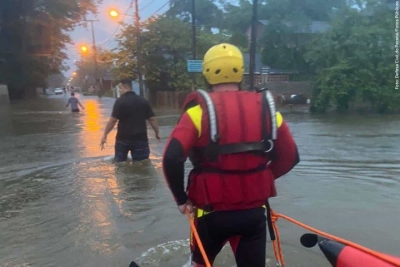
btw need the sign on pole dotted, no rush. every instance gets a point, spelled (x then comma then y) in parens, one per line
(195, 65)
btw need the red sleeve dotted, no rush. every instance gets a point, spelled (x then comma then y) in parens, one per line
(181, 141)
(286, 153)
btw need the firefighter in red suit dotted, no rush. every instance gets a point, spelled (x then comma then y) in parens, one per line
(238, 145)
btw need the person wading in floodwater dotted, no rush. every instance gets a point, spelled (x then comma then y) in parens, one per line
(74, 103)
(131, 112)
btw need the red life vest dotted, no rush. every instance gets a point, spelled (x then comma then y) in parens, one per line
(231, 156)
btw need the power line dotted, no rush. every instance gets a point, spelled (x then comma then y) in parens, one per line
(147, 5)
(161, 8)
(113, 36)
(171, 8)
(125, 15)
(107, 41)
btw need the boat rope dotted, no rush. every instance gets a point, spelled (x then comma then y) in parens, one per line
(198, 240)
(276, 242)
(278, 249)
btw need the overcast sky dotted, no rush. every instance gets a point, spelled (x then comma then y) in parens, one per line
(106, 28)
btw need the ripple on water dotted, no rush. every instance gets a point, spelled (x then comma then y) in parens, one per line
(177, 253)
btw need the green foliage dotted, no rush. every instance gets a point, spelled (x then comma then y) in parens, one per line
(85, 68)
(32, 37)
(355, 62)
(208, 14)
(287, 37)
(166, 45)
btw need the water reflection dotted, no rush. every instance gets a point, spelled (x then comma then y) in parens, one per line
(92, 120)
(92, 123)
(63, 202)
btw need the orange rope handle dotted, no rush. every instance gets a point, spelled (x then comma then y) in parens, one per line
(385, 258)
(277, 246)
(198, 240)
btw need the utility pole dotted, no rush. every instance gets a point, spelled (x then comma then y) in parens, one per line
(138, 48)
(96, 68)
(253, 41)
(194, 29)
(194, 43)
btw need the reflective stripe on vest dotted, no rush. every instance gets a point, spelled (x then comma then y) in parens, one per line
(272, 112)
(265, 145)
(212, 116)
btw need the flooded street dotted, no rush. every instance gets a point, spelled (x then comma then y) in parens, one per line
(63, 202)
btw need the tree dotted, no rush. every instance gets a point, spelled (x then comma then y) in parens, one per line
(166, 46)
(355, 61)
(56, 80)
(208, 14)
(287, 37)
(85, 68)
(33, 35)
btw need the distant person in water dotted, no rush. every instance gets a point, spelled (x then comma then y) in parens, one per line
(74, 103)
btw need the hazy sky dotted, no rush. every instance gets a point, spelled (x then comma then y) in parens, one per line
(106, 28)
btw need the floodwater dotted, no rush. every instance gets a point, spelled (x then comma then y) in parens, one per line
(63, 202)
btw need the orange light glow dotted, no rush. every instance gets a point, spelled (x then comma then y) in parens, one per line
(84, 48)
(114, 13)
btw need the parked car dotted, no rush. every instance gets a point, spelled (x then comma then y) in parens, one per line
(58, 91)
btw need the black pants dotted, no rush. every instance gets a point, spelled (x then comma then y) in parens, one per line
(245, 230)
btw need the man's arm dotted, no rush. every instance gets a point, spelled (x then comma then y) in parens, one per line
(109, 126)
(69, 101)
(111, 122)
(151, 118)
(154, 125)
(181, 141)
(79, 103)
(286, 153)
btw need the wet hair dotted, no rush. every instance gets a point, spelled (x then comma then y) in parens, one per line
(72, 94)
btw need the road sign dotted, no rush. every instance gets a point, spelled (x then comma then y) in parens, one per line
(195, 65)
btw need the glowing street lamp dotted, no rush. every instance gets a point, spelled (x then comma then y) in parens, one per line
(114, 13)
(84, 48)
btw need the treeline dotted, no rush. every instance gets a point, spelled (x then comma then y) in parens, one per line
(33, 35)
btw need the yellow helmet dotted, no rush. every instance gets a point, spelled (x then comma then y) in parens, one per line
(223, 63)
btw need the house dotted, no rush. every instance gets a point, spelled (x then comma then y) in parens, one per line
(262, 73)
(107, 81)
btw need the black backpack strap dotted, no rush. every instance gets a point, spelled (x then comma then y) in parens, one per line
(269, 222)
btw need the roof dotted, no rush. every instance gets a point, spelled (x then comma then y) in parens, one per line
(314, 27)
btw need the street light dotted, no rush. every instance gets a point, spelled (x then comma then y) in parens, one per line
(114, 13)
(84, 48)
